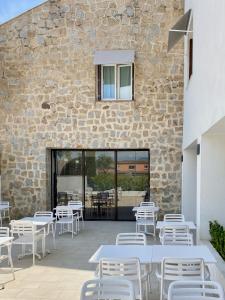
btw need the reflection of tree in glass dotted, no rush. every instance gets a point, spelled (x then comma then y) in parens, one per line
(104, 164)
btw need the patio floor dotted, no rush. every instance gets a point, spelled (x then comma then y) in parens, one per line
(61, 274)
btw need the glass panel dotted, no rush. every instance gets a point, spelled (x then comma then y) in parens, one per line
(68, 176)
(132, 181)
(125, 82)
(99, 185)
(108, 82)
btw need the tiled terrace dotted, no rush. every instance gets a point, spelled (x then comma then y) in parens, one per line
(61, 274)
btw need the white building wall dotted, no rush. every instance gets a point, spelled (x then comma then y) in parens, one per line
(189, 179)
(204, 94)
(212, 198)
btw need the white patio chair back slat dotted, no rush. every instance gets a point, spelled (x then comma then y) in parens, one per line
(174, 218)
(44, 214)
(145, 203)
(174, 269)
(131, 239)
(75, 202)
(4, 231)
(195, 290)
(185, 239)
(126, 268)
(107, 289)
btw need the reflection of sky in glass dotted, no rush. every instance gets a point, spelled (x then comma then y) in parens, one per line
(132, 155)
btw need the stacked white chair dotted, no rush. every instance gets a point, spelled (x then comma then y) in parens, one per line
(125, 269)
(28, 235)
(80, 211)
(135, 239)
(195, 290)
(51, 226)
(175, 269)
(68, 221)
(4, 232)
(107, 289)
(145, 218)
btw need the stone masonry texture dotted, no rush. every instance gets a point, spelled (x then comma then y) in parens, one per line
(48, 96)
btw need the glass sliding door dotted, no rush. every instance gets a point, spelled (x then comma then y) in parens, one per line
(132, 181)
(100, 185)
(108, 182)
(69, 178)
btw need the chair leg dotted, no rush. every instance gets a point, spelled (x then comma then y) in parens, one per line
(53, 235)
(72, 229)
(10, 260)
(34, 245)
(43, 246)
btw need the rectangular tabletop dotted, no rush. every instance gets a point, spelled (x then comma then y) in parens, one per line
(151, 208)
(39, 221)
(144, 253)
(161, 251)
(4, 206)
(161, 224)
(5, 239)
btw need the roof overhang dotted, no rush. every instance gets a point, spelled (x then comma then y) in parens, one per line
(104, 57)
(180, 29)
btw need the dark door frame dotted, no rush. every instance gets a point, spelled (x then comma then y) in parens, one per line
(54, 175)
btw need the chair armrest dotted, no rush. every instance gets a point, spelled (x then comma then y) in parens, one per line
(42, 230)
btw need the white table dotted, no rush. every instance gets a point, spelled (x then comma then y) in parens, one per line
(144, 253)
(161, 224)
(161, 251)
(4, 206)
(39, 221)
(43, 222)
(151, 208)
(4, 240)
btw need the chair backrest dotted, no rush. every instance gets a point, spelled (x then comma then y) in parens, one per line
(131, 239)
(75, 202)
(107, 289)
(4, 231)
(43, 214)
(127, 268)
(63, 212)
(195, 290)
(144, 213)
(182, 269)
(174, 218)
(147, 203)
(185, 239)
(20, 227)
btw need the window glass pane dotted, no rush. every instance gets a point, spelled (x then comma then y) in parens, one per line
(125, 82)
(108, 82)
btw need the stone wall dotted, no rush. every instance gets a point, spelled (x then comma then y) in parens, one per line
(47, 92)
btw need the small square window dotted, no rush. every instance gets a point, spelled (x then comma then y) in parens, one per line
(115, 82)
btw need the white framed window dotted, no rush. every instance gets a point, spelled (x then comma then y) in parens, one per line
(116, 82)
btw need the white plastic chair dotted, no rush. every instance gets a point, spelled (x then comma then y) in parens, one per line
(185, 239)
(174, 269)
(51, 226)
(195, 290)
(172, 231)
(145, 218)
(68, 221)
(27, 234)
(174, 218)
(145, 203)
(107, 289)
(4, 232)
(125, 269)
(4, 214)
(80, 211)
(136, 238)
